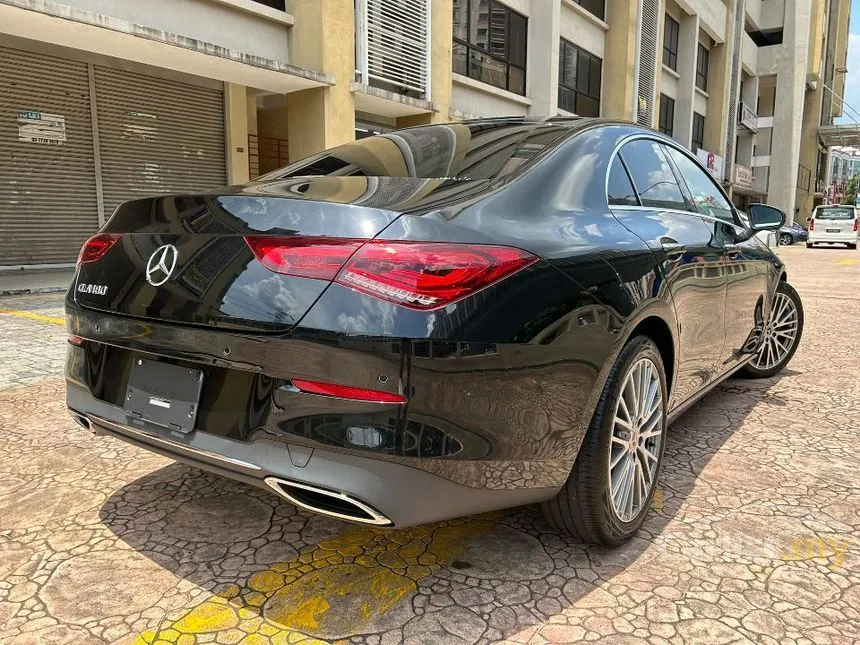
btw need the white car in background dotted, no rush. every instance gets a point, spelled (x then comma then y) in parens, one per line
(834, 225)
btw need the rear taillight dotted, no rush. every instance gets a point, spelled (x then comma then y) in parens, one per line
(75, 340)
(812, 225)
(418, 275)
(346, 392)
(303, 257)
(427, 275)
(855, 225)
(95, 247)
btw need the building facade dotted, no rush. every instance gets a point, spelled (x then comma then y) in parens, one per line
(844, 165)
(111, 100)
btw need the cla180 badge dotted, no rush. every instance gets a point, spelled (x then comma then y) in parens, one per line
(95, 289)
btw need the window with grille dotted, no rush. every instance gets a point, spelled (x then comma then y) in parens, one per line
(490, 44)
(597, 7)
(666, 124)
(698, 131)
(702, 62)
(579, 77)
(671, 30)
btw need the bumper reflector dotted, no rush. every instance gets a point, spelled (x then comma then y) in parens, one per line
(346, 392)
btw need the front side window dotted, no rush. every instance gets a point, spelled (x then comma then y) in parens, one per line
(666, 124)
(490, 44)
(698, 131)
(707, 196)
(579, 75)
(671, 28)
(702, 63)
(653, 177)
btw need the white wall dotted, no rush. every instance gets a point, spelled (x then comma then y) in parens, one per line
(669, 85)
(212, 21)
(582, 32)
(712, 16)
(470, 102)
(700, 103)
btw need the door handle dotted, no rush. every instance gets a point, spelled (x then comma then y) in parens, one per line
(673, 248)
(732, 250)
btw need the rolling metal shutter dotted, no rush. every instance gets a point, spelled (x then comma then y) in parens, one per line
(48, 201)
(157, 136)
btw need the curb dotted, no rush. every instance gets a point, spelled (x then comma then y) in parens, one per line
(23, 291)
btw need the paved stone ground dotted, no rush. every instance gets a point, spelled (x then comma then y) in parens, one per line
(755, 536)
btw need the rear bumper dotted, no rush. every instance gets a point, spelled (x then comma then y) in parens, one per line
(391, 494)
(832, 238)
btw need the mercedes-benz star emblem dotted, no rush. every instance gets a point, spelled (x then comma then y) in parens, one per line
(161, 264)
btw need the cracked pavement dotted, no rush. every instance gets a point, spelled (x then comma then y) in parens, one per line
(754, 537)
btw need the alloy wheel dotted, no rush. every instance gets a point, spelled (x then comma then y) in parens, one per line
(637, 432)
(786, 240)
(780, 334)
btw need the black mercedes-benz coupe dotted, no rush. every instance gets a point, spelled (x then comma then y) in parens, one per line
(433, 322)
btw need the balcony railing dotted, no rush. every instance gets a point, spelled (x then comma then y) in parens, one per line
(747, 117)
(393, 45)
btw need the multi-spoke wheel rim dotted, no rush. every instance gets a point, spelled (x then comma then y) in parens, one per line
(780, 333)
(785, 239)
(637, 435)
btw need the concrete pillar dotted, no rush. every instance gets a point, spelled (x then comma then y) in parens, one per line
(442, 34)
(688, 42)
(543, 59)
(324, 40)
(236, 126)
(619, 65)
(790, 95)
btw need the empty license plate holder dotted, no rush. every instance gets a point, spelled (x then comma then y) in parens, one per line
(164, 394)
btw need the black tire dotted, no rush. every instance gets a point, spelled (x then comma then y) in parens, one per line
(809, 245)
(750, 370)
(786, 239)
(583, 507)
(853, 247)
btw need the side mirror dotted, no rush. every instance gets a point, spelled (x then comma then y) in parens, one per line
(765, 218)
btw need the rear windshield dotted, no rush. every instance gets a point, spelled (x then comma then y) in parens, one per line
(451, 151)
(835, 213)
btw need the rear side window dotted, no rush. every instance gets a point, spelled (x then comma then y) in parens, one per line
(835, 213)
(620, 191)
(652, 175)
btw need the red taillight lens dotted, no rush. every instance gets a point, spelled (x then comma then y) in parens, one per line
(346, 392)
(76, 340)
(303, 257)
(428, 275)
(95, 247)
(812, 225)
(855, 225)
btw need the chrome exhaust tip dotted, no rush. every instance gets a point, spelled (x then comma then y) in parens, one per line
(327, 502)
(82, 421)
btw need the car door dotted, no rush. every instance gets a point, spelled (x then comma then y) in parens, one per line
(646, 197)
(745, 259)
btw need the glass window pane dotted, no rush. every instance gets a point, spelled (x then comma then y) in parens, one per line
(566, 99)
(461, 8)
(620, 190)
(479, 25)
(707, 197)
(652, 175)
(484, 68)
(458, 55)
(517, 40)
(570, 66)
(594, 82)
(498, 31)
(587, 106)
(517, 80)
(582, 65)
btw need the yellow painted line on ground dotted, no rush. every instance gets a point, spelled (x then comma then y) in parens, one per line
(31, 316)
(343, 585)
(847, 262)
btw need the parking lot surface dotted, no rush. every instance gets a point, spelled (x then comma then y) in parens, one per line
(755, 534)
